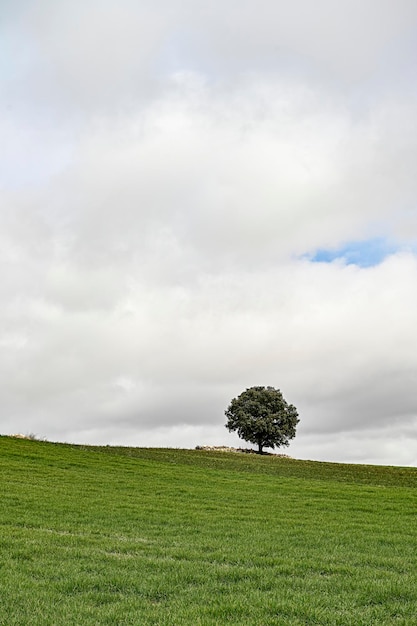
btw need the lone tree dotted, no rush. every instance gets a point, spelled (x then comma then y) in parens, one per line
(262, 416)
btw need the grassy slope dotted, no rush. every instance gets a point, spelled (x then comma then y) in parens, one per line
(93, 535)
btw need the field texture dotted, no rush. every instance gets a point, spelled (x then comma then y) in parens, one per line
(129, 536)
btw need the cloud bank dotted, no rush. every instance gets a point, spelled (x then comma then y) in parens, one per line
(197, 199)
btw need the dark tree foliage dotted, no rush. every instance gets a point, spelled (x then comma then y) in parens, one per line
(261, 416)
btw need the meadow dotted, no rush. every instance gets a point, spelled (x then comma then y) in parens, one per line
(136, 536)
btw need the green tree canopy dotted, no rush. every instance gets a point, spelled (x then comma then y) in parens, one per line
(261, 416)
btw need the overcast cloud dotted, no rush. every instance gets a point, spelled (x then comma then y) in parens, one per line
(200, 197)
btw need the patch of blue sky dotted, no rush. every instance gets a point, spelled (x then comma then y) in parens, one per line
(28, 165)
(363, 253)
(179, 53)
(17, 54)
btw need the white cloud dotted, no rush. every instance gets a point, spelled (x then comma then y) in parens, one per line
(171, 182)
(344, 39)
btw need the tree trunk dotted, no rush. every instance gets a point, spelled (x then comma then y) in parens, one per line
(260, 447)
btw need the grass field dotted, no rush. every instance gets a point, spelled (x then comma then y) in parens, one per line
(130, 536)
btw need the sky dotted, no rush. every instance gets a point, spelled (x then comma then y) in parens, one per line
(196, 198)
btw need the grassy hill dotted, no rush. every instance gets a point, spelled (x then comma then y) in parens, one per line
(131, 536)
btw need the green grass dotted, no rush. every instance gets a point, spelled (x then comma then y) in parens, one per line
(104, 535)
